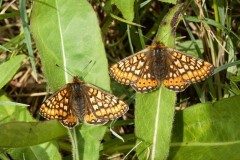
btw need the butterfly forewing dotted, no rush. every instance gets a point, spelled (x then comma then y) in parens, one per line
(129, 70)
(184, 70)
(102, 106)
(57, 105)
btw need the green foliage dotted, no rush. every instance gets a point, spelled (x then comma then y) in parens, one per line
(152, 132)
(208, 128)
(11, 66)
(82, 38)
(73, 52)
(126, 7)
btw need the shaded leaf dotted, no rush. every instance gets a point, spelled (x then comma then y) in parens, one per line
(29, 133)
(44, 151)
(169, 1)
(207, 131)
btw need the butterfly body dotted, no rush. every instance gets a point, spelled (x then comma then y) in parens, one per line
(146, 70)
(83, 101)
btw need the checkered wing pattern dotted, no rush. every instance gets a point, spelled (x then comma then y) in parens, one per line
(156, 65)
(58, 107)
(102, 106)
(184, 70)
(148, 81)
(129, 70)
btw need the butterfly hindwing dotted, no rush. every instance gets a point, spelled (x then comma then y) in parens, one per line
(148, 81)
(71, 120)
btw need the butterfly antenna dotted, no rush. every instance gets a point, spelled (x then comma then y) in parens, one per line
(84, 75)
(66, 70)
(169, 32)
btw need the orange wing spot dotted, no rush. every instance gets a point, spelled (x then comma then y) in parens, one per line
(108, 110)
(185, 77)
(195, 73)
(190, 75)
(110, 116)
(98, 113)
(103, 111)
(176, 84)
(139, 56)
(90, 117)
(70, 121)
(64, 114)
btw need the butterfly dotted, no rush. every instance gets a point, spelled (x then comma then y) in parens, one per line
(80, 100)
(147, 69)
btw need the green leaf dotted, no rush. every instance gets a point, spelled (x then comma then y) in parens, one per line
(24, 18)
(16, 134)
(126, 7)
(90, 135)
(153, 122)
(154, 112)
(207, 131)
(29, 133)
(36, 152)
(12, 112)
(72, 39)
(11, 66)
(189, 47)
(67, 33)
(169, 1)
(166, 31)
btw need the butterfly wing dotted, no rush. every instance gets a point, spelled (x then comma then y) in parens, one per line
(101, 106)
(71, 120)
(184, 70)
(57, 106)
(148, 81)
(129, 70)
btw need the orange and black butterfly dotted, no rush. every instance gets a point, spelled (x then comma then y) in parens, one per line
(80, 100)
(148, 69)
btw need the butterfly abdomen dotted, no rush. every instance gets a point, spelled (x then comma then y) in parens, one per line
(159, 64)
(78, 101)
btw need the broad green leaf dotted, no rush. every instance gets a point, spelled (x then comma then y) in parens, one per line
(36, 152)
(24, 134)
(126, 8)
(9, 69)
(72, 39)
(207, 131)
(90, 135)
(154, 112)
(15, 133)
(68, 33)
